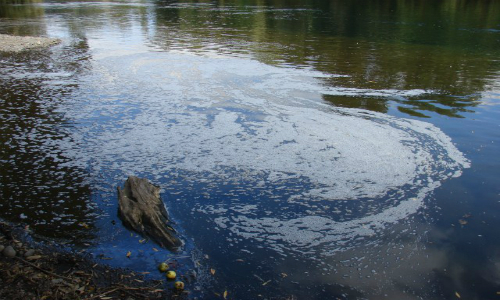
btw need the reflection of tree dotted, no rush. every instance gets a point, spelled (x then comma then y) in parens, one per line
(38, 185)
(21, 9)
(445, 46)
(17, 15)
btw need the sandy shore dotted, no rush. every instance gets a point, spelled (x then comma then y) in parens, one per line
(10, 43)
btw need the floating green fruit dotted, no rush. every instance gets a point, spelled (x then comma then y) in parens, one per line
(179, 285)
(171, 275)
(163, 267)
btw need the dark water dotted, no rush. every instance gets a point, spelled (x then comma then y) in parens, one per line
(307, 149)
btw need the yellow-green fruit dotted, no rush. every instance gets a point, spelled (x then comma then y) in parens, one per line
(171, 275)
(179, 285)
(163, 267)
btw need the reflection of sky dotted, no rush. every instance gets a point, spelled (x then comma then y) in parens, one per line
(155, 113)
(491, 95)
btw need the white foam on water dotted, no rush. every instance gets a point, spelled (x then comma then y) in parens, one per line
(156, 112)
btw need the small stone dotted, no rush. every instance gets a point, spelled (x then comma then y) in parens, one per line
(2, 247)
(30, 252)
(9, 251)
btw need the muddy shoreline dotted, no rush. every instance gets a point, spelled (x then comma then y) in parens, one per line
(10, 43)
(45, 270)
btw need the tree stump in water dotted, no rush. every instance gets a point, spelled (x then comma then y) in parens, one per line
(141, 209)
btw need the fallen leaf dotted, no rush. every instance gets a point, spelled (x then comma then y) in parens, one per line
(57, 281)
(128, 254)
(33, 257)
(65, 290)
(240, 260)
(84, 225)
(462, 222)
(225, 294)
(142, 241)
(155, 249)
(284, 275)
(79, 273)
(212, 271)
(458, 295)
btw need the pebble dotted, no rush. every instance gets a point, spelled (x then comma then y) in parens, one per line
(30, 252)
(9, 251)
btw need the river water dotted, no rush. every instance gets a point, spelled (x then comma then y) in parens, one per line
(305, 149)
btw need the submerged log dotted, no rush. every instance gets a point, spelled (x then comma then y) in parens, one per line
(141, 209)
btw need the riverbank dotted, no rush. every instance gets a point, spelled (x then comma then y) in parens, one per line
(44, 270)
(10, 43)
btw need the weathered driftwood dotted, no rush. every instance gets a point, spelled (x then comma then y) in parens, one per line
(141, 209)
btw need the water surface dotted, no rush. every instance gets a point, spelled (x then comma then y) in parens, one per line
(319, 151)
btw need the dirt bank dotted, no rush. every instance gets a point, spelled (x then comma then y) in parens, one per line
(10, 43)
(42, 270)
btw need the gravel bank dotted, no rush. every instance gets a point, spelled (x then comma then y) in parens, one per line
(9, 43)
